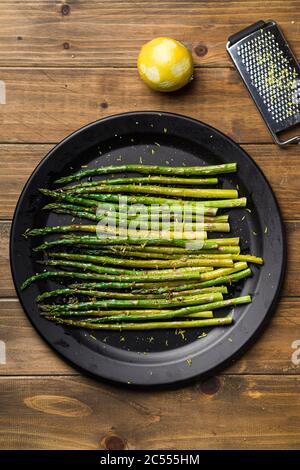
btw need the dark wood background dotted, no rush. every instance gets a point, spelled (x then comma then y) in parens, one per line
(65, 64)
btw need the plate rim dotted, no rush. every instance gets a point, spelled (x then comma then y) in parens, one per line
(188, 373)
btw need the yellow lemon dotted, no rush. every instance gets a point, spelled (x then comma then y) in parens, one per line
(165, 64)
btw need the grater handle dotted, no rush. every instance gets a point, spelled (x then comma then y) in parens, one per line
(245, 32)
(292, 140)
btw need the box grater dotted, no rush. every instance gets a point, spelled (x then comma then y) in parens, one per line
(271, 73)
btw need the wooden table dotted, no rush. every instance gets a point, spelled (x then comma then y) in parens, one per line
(64, 64)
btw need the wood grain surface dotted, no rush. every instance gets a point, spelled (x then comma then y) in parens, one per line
(110, 33)
(42, 103)
(75, 412)
(67, 63)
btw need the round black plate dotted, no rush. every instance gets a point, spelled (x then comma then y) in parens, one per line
(155, 357)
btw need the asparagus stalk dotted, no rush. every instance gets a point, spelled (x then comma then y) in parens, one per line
(83, 214)
(73, 291)
(239, 266)
(198, 315)
(57, 206)
(193, 291)
(59, 196)
(90, 292)
(131, 284)
(146, 288)
(149, 256)
(164, 190)
(222, 250)
(146, 326)
(228, 279)
(152, 170)
(122, 271)
(154, 256)
(85, 277)
(233, 257)
(104, 270)
(214, 227)
(131, 254)
(166, 253)
(148, 264)
(115, 198)
(95, 314)
(93, 199)
(148, 179)
(235, 241)
(217, 218)
(226, 203)
(105, 241)
(136, 303)
(176, 249)
(248, 258)
(148, 200)
(176, 207)
(176, 228)
(113, 204)
(149, 276)
(89, 213)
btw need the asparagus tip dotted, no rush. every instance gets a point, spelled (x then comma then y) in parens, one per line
(26, 233)
(26, 283)
(41, 247)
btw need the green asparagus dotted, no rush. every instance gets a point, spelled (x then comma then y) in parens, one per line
(152, 170)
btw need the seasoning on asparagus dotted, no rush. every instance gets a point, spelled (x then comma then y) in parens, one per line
(144, 281)
(145, 264)
(91, 200)
(152, 170)
(170, 180)
(145, 326)
(104, 241)
(179, 234)
(164, 190)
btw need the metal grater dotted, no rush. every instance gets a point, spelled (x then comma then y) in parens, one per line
(271, 73)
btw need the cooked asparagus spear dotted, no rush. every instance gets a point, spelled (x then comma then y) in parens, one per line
(170, 180)
(145, 264)
(137, 303)
(152, 170)
(105, 241)
(164, 190)
(147, 326)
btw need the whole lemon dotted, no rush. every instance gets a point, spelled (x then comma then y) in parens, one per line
(165, 64)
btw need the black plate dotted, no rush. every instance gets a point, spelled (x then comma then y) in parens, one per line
(155, 357)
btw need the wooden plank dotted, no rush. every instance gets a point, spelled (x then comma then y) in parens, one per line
(110, 33)
(6, 283)
(292, 281)
(281, 167)
(78, 413)
(26, 352)
(17, 162)
(45, 105)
